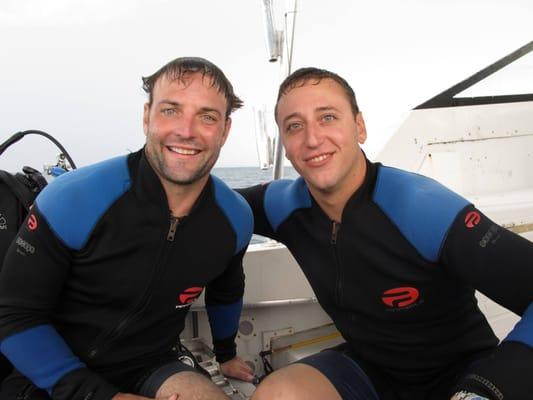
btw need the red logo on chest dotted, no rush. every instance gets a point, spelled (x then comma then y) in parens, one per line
(400, 297)
(189, 295)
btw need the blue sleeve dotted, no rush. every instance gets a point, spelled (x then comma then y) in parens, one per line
(237, 212)
(523, 330)
(224, 319)
(274, 202)
(420, 207)
(224, 322)
(40, 354)
(283, 197)
(83, 196)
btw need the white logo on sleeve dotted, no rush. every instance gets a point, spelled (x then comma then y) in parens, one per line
(3, 223)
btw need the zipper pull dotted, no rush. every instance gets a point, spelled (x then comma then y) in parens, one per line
(334, 231)
(174, 222)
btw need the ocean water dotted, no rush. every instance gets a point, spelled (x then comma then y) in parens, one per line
(239, 177)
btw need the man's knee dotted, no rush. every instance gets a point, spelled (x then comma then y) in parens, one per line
(191, 385)
(297, 381)
(276, 386)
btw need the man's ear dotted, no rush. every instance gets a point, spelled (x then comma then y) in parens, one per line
(146, 117)
(361, 128)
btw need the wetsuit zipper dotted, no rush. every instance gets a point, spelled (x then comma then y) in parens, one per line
(114, 333)
(174, 222)
(334, 234)
(334, 231)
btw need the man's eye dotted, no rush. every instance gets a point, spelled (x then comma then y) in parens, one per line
(329, 117)
(168, 111)
(293, 126)
(209, 118)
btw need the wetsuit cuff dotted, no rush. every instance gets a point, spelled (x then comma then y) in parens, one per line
(83, 384)
(225, 349)
(505, 373)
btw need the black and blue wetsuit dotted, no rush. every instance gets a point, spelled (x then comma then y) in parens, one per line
(96, 286)
(398, 274)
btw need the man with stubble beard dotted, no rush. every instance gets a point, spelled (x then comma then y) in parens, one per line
(96, 286)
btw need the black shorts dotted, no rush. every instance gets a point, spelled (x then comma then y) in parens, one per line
(344, 373)
(356, 379)
(150, 383)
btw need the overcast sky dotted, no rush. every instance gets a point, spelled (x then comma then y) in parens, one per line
(73, 67)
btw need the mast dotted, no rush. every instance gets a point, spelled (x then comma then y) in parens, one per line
(280, 44)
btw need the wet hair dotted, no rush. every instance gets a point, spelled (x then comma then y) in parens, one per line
(180, 67)
(303, 75)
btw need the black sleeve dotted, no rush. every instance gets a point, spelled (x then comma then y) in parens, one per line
(12, 213)
(35, 270)
(498, 263)
(223, 300)
(254, 195)
(491, 259)
(228, 287)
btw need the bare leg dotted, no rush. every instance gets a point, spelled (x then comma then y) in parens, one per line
(296, 381)
(190, 386)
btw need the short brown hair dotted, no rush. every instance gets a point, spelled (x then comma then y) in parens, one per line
(303, 75)
(176, 70)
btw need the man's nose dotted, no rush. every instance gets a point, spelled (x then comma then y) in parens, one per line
(185, 126)
(313, 135)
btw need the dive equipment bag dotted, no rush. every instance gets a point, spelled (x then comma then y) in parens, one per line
(17, 193)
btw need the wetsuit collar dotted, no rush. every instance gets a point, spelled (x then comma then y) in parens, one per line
(362, 193)
(148, 186)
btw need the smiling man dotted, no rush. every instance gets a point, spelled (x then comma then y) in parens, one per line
(95, 288)
(394, 258)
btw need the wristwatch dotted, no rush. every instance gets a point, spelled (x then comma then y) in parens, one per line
(467, 396)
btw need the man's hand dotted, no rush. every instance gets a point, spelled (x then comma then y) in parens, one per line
(127, 396)
(237, 368)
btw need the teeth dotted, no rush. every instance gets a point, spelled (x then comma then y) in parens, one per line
(319, 158)
(188, 152)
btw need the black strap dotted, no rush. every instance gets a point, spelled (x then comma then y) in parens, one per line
(24, 194)
(37, 181)
(19, 135)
